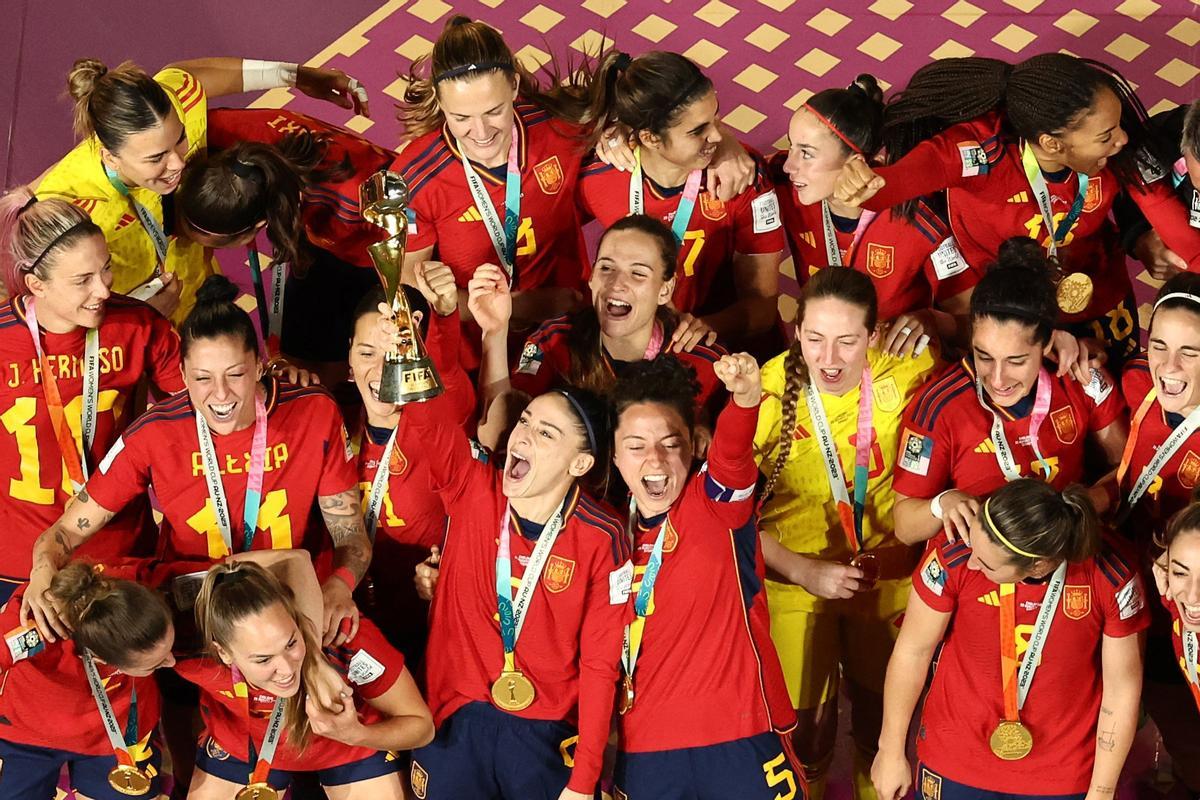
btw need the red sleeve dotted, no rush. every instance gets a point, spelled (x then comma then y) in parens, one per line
(339, 469)
(758, 227)
(421, 231)
(943, 161)
(124, 473)
(539, 365)
(447, 451)
(599, 656)
(730, 472)
(1170, 219)
(939, 574)
(443, 343)
(163, 357)
(1123, 600)
(923, 463)
(583, 188)
(1135, 382)
(371, 665)
(1108, 405)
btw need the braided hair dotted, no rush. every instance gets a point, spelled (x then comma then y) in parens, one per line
(849, 286)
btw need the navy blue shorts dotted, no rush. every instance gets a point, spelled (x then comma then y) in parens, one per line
(932, 786)
(9, 585)
(31, 773)
(218, 762)
(761, 766)
(484, 753)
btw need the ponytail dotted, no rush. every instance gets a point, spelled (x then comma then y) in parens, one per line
(110, 617)
(115, 104)
(34, 234)
(1032, 521)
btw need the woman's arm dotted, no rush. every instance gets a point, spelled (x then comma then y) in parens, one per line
(1121, 664)
(225, 75)
(80, 520)
(827, 579)
(408, 725)
(907, 669)
(351, 556)
(1111, 439)
(915, 522)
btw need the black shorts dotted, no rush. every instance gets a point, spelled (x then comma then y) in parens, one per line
(318, 308)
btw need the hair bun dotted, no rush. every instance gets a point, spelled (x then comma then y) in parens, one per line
(216, 290)
(1021, 252)
(81, 80)
(868, 85)
(457, 20)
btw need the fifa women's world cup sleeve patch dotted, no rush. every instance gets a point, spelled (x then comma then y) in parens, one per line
(933, 572)
(479, 452)
(765, 210)
(23, 643)
(974, 158)
(531, 359)
(916, 452)
(947, 260)
(1130, 598)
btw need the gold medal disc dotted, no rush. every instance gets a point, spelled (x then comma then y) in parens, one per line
(128, 779)
(512, 691)
(625, 701)
(257, 791)
(869, 564)
(1011, 741)
(1074, 293)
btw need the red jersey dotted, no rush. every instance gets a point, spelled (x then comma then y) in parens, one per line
(1172, 489)
(546, 360)
(330, 211)
(235, 712)
(571, 642)
(1103, 596)
(914, 265)
(135, 341)
(307, 456)
(45, 700)
(748, 224)
(946, 441)
(707, 628)
(990, 200)
(1177, 643)
(550, 249)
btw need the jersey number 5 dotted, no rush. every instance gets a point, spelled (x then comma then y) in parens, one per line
(775, 776)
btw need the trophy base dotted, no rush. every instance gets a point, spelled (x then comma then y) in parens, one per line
(408, 381)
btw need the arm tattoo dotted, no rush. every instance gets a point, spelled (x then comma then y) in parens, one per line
(83, 523)
(344, 503)
(343, 518)
(83, 495)
(1104, 789)
(1107, 740)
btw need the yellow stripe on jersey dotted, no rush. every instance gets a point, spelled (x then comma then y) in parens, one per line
(802, 513)
(79, 177)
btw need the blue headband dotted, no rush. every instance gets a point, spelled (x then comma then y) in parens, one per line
(587, 425)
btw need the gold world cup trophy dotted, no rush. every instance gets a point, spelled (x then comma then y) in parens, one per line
(408, 372)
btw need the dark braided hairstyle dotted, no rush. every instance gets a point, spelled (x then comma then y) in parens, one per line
(847, 285)
(1048, 93)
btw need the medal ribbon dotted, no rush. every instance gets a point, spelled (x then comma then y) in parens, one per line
(632, 643)
(266, 753)
(503, 235)
(833, 253)
(1166, 450)
(1041, 193)
(149, 223)
(1004, 454)
(1191, 644)
(513, 610)
(379, 486)
(120, 743)
(687, 200)
(270, 314)
(1018, 681)
(76, 464)
(851, 516)
(254, 480)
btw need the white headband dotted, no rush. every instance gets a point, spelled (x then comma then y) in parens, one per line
(1176, 296)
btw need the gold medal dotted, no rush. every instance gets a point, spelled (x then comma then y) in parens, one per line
(257, 791)
(868, 562)
(512, 691)
(1011, 741)
(1074, 293)
(128, 779)
(625, 701)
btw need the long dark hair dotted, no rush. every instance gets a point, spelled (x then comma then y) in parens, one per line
(855, 113)
(1017, 288)
(216, 315)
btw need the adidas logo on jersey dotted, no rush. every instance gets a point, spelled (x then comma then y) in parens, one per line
(1019, 197)
(808, 238)
(986, 446)
(992, 598)
(470, 215)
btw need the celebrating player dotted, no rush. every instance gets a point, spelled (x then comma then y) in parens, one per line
(914, 263)
(729, 250)
(697, 580)
(528, 718)
(137, 133)
(1080, 138)
(839, 578)
(1177, 573)
(630, 319)
(298, 178)
(1050, 706)
(73, 356)
(404, 517)
(262, 721)
(233, 446)
(1001, 412)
